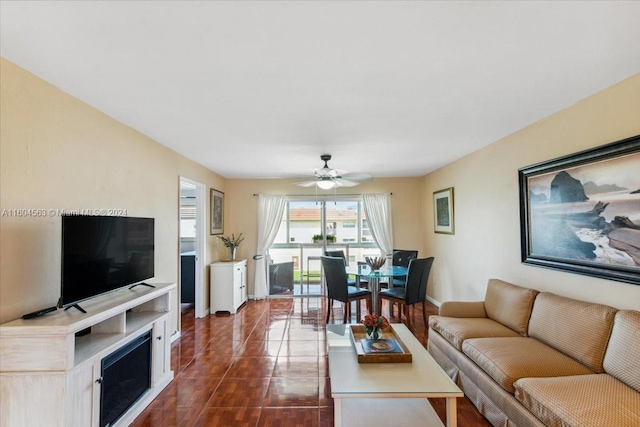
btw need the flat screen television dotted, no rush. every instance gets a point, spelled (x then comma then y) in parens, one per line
(104, 253)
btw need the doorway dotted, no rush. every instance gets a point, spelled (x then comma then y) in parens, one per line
(192, 246)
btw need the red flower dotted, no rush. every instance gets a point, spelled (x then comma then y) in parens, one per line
(375, 321)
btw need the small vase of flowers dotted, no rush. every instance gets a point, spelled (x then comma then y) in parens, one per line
(374, 324)
(232, 244)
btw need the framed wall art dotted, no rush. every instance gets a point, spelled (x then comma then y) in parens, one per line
(443, 211)
(581, 213)
(217, 212)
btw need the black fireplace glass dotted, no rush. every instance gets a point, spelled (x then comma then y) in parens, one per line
(126, 376)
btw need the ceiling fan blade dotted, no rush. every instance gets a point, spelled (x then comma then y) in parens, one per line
(326, 172)
(306, 183)
(338, 176)
(341, 182)
(357, 176)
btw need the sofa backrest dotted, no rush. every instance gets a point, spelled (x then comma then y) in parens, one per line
(622, 359)
(578, 329)
(509, 304)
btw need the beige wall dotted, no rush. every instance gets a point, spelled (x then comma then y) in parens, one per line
(56, 152)
(242, 209)
(487, 218)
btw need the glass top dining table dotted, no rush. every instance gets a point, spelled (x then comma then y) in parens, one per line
(373, 277)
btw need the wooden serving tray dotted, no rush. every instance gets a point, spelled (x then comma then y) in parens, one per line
(358, 333)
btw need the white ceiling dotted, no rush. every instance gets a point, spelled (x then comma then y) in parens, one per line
(261, 89)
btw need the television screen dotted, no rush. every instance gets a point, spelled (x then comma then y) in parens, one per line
(103, 253)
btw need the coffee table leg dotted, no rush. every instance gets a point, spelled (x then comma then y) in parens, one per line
(452, 414)
(337, 412)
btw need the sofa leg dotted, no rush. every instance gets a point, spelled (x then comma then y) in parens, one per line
(424, 315)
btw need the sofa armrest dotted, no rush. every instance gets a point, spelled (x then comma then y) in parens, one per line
(462, 309)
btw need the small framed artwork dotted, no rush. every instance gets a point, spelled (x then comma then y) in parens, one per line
(443, 211)
(581, 213)
(217, 212)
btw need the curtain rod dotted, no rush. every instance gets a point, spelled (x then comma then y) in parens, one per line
(320, 195)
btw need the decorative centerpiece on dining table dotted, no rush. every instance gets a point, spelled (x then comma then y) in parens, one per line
(373, 324)
(375, 263)
(232, 244)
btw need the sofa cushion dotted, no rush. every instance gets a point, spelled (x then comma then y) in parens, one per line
(576, 328)
(462, 309)
(506, 360)
(622, 359)
(583, 400)
(456, 330)
(509, 304)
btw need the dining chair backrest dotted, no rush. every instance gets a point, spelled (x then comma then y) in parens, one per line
(337, 253)
(402, 257)
(336, 276)
(417, 278)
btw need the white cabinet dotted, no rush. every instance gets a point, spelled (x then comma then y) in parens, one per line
(228, 286)
(161, 351)
(51, 376)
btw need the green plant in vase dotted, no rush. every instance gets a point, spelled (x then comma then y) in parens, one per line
(232, 244)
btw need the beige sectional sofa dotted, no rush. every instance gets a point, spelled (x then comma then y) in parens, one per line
(526, 358)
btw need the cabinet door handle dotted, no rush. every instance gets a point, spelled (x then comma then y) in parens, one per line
(159, 337)
(99, 380)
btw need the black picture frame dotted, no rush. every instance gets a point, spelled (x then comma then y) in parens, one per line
(443, 213)
(573, 210)
(217, 212)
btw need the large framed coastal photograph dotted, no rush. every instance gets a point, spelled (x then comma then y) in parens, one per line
(581, 213)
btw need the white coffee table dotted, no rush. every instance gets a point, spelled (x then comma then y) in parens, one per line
(376, 394)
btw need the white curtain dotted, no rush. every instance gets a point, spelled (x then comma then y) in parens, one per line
(377, 207)
(270, 210)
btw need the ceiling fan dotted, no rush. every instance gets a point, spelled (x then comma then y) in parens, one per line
(327, 178)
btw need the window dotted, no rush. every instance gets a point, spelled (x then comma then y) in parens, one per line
(366, 232)
(345, 219)
(302, 219)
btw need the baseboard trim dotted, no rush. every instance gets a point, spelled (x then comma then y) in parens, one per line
(433, 301)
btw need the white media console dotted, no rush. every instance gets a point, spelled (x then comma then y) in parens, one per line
(50, 376)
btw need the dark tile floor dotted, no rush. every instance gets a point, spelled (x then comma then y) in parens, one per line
(264, 366)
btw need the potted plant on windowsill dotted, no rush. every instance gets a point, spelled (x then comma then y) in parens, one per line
(318, 238)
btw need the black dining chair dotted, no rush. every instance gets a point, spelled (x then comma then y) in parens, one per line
(414, 291)
(339, 290)
(402, 258)
(340, 254)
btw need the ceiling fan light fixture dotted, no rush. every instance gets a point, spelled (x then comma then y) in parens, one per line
(326, 184)
(327, 178)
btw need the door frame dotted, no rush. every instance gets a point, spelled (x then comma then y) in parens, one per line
(200, 245)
